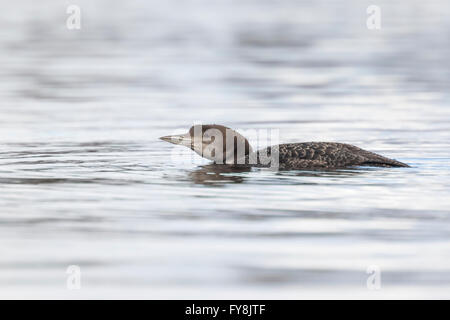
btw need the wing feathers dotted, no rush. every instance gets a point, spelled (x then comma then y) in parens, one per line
(328, 155)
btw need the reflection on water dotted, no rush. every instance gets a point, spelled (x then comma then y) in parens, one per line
(213, 174)
(218, 174)
(85, 181)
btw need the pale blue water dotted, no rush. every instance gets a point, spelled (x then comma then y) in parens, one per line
(85, 181)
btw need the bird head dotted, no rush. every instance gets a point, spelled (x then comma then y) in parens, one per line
(214, 142)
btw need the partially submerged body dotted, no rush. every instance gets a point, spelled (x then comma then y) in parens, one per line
(213, 142)
(325, 155)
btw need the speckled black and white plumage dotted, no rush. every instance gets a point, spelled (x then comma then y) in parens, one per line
(326, 155)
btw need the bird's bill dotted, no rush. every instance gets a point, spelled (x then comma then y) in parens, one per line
(182, 139)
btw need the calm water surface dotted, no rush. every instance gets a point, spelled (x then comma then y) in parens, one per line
(85, 181)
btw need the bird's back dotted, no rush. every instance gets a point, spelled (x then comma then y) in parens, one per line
(322, 155)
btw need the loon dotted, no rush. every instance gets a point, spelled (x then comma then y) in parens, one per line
(211, 142)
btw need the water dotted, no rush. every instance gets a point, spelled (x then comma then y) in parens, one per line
(85, 181)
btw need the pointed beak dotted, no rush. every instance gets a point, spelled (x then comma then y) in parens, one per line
(182, 139)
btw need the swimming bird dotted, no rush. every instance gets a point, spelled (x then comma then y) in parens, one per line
(226, 146)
